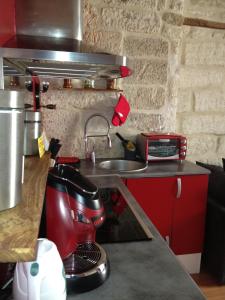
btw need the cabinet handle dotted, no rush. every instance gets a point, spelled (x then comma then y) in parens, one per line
(167, 238)
(179, 187)
(22, 176)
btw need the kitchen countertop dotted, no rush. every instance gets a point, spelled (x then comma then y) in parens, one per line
(154, 169)
(141, 270)
(19, 225)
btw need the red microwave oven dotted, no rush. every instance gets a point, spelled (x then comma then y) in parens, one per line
(161, 146)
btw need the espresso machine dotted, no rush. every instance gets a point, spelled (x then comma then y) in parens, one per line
(72, 212)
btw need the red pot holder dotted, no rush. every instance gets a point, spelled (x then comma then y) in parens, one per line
(125, 71)
(121, 111)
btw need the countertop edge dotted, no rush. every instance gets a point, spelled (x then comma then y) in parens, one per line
(156, 169)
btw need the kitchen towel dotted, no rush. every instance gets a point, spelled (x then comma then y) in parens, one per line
(121, 111)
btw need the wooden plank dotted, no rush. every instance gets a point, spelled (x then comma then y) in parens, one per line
(19, 226)
(209, 286)
(203, 23)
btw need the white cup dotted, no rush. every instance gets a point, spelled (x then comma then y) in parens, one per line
(42, 279)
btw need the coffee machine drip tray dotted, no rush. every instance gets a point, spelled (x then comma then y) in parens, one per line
(120, 224)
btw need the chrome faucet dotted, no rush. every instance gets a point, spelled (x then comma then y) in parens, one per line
(91, 155)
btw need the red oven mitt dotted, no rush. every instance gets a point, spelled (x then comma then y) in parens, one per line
(122, 110)
(125, 71)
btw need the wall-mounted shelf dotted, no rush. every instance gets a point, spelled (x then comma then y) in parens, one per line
(203, 23)
(19, 226)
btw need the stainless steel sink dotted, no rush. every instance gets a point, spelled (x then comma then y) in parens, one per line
(122, 165)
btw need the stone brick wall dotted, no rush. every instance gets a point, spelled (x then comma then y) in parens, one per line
(206, 9)
(149, 33)
(177, 82)
(201, 97)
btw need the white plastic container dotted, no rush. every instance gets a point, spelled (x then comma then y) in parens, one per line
(42, 279)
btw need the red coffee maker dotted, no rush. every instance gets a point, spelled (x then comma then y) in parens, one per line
(72, 212)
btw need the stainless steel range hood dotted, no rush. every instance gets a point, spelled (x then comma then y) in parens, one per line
(47, 43)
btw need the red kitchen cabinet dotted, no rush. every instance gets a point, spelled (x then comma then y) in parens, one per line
(155, 195)
(7, 20)
(176, 206)
(188, 216)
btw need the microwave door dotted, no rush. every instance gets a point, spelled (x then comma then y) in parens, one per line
(163, 149)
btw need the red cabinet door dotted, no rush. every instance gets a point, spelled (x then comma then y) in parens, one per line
(156, 197)
(7, 20)
(189, 214)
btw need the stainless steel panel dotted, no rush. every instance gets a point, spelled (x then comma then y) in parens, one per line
(32, 131)
(62, 64)
(61, 57)
(11, 99)
(11, 157)
(9, 71)
(32, 116)
(52, 18)
(1, 74)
